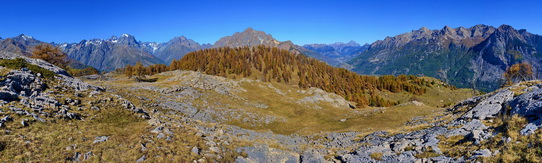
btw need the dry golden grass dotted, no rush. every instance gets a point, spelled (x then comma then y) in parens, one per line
(376, 155)
(307, 119)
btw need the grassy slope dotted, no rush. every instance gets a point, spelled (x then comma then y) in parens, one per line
(58, 139)
(307, 118)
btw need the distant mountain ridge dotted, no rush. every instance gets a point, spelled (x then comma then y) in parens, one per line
(110, 54)
(117, 52)
(23, 45)
(465, 57)
(176, 48)
(338, 53)
(251, 37)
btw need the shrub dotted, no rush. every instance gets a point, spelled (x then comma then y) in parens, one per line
(51, 54)
(83, 72)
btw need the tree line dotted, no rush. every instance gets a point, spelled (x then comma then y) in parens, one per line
(271, 64)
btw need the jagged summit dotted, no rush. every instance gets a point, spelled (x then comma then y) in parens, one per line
(249, 29)
(248, 37)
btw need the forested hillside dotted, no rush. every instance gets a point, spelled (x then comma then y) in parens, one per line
(276, 65)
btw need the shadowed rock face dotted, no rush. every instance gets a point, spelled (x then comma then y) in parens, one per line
(464, 57)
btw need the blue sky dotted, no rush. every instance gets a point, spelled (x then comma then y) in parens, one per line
(302, 22)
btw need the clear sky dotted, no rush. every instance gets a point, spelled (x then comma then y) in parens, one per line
(302, 22)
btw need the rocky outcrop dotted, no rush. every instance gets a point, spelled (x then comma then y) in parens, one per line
(405, 147)
(491, 106)
(266, 154)
(39, 95)
(62, 75)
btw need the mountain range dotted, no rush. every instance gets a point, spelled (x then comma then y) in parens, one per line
(466, 57)
(117, 52)
(474, 57)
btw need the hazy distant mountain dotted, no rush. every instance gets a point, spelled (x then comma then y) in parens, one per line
(465, 57)
(175, 48)
(110, 54)
(206, 46)
(338, 53)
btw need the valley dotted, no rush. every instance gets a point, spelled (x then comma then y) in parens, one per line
(447, 95)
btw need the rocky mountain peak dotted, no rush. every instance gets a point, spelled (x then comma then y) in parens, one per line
(350, 43)
(248, 37)
(24, 38)
(114, 39)
(127, 39)
(505, 27)
(206, 46)
(180, 39)
(447, 30)
(353, 43)
(424, 30)
(249, 29)
(507, 32)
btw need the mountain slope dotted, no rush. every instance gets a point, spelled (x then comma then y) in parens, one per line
(21, 44)
(277, 65)
(465, 57)
(110, 54)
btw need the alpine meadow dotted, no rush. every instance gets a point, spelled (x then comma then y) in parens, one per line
(270, 81)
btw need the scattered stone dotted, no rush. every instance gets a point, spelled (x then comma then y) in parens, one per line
(6, 119)
(161, 136)
(8, 96)
(87, 155)
(482, 153)
(100, 139)
(312, 156)
(24, 123)
(143, 147)
(157, 130)
(195, 150)
(95, 108)
(141, 159)
(214, 149)
(76, 157)
(529, 129)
